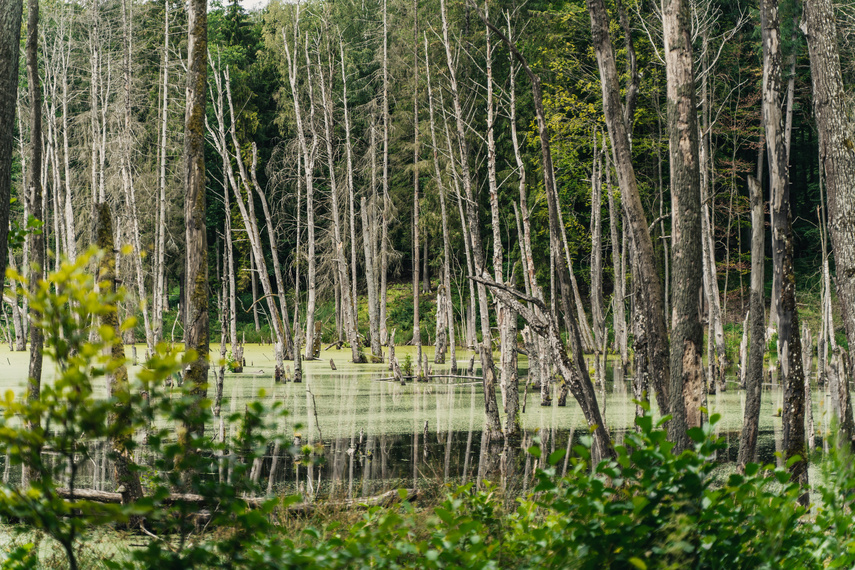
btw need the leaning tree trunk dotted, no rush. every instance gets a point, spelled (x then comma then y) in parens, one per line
(687, 334)
(580, 383)
(651, 301)
(196, 242)
(837, 159)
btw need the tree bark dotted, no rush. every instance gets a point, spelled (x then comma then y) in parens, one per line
(837, 159)
(127, 174)
(687, 383)
(196, 332)
(650, 288)
(126, 475)
(445, 314)
(757, 316)
(10, 41)
(35, 202)
(789, 341)
(160, 239)
(417, 333)
(493, 425)
(349, 323)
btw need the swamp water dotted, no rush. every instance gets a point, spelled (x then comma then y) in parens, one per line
(374, 435)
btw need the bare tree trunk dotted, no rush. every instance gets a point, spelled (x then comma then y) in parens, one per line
(10, 40)
(507, 332)
(373, 307)
(160, 235)
(126, 475)
(247, 210)
(417, 333)
(757, 314)
(350, 190)
(127, 174)
(308, 165)
(467, 245)
(575, 374)
(647, 277)
(618, 264)
(687, 383)
(444, 309)
(493, 425)
(717, 364)
(349, 323)
(387, 204)
(196, 332)
(597, 316)
(838, 163)
(35, 200)
(789, 341)
(274, 253)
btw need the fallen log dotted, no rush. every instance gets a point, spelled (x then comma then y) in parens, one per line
(381, 500)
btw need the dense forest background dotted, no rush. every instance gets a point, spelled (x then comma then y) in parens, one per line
(88, 73)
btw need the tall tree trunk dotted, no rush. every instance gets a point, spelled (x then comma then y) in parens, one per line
(308, 166)
(619, 293)
(35, 201)
(789, 335)
(757, 316)
(349, 322)
(575, 373)
(597, 258)
(387, 202)
(445, 309)
(507, 345)
(127, 174)
(467, 244)
(10, 41)
(373, 306)
(838, 163)
(350, 190)
(273, 240)
(493, 425)
(196, 332)
(647, 277)
(126, 475)
(717, 364)
(417, 333)
(687, 335)
(160, 239)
